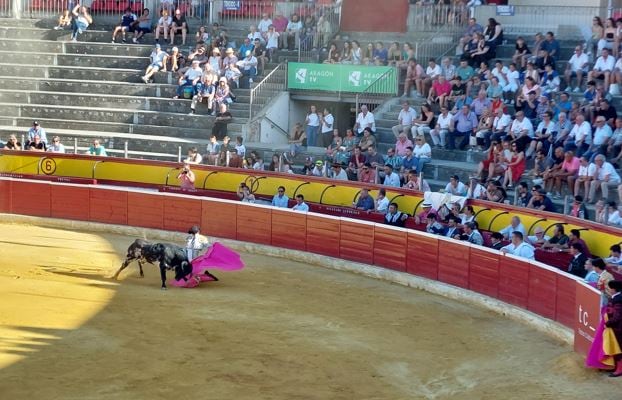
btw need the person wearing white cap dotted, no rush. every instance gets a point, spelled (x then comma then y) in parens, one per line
(426, 208)
(36, 130)
(190, 78)
(248, 65)
(158, 63)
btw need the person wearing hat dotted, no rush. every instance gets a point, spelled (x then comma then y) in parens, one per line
(190, 78)
(339, 172)
(215, 61)
(36, 130)
(158, 63)
(426, 208)
(319, 169)
(195, 242)
(230, 58)
(248, 65)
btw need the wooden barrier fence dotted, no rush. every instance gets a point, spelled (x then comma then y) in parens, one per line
(530, 285)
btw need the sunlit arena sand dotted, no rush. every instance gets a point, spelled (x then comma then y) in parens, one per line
(275, 330)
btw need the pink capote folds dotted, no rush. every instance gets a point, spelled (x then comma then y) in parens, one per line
(218, 256)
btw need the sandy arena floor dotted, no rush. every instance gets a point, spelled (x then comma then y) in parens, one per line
(276, 330)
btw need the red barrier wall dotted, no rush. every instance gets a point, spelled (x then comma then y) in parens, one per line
(529, 285)
(366, 16)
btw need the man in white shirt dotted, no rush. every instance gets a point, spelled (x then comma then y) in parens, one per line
(300, 204)
(455, 187)
(500, 71)
(327, 121)
(500, 125)
(404, 119)
(581, 135)
(390, 177)
(248, 65)
(365, 119)
(602, 134)
(515, 225)
(602, 68)
(587, 172)
(264, 23)
(444, 124)
(519, 247)
(431, 73)
(577, 67)
(606, 176)
(522, 130)
(339, 173)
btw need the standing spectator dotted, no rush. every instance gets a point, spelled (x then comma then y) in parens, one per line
(223, 117)
(365, 119)
(261, 54)
(405, 119)
(80, 22)
(97, 149)
(36, 130)
(312, 122)
(186, 177)
(264, 23)
(519, 247)
(466, 125)
(280, 199)
(327, 122)
(272, 41)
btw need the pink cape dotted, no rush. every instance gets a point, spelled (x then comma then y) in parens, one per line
(601, 353)
(217, 256)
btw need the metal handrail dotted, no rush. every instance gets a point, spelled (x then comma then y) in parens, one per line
(275, 125)
(324, 191)
(256, 91)
(168, 174)
(298, 187)
(381, 80)
(534, 224)
(95, 167)
(205, 180)
(495, 217)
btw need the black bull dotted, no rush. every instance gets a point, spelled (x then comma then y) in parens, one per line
(169, 257)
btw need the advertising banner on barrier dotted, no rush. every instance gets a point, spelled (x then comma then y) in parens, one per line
(587, 310)
(339, 77)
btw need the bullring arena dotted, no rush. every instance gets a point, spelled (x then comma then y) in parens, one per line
(278, 329)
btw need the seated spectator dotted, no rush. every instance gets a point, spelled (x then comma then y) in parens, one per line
(455, 187)
(232, 73)
(186, 177)
(431, 73)
(614, 260)
(522, 53)
(163, 25)
(248, 66)
(494, 192)
(280, 199)
(390, 177)
(575, 237)
(297, 140)
(244, 194)
(521, 131)
(440, 91)
(367, 174)
(404, 119)
(381, 201)
(205, 92)
(96, 149)
(540, 201)
(36, 144)
(577, 265)
(190, 79)
(484, 131)
(212, 150)
(81, 19)
(394, 217)
(143, 26)
(415, 182)
(12, 143)
(453, 230)
(578, 209)
(373, 157)
(602, 68)
(433, 226)
(515, 225)
(444, 125)
(402, 144)
(559, 240)
(496, 240)
(248, 45)
(472, 234)
(426, 208)
(334, 56)
(480, 104)
(193, 156)
(394, 160)
(476, 190)
(614, 214)
(523, 194)
(422, 153)
(158, 63)
(338, 172)
(365, 202)
(235, 159)
(515, 167)
(178, 24)
(500, 126)
(519, 247)
(319, 169)
(605, 176)
(585, 174)
(414, 73)
(64, 21)
(290, 38)
(465, 125)
(223, 117)
(538, 238)
(127, 24)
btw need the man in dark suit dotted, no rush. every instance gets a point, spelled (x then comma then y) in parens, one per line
(496, 240)
(577, 265)
(452, 227)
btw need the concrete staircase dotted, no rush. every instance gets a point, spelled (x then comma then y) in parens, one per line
(92, 89)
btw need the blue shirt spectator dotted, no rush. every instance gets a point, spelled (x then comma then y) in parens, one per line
(465, 122)
(280, 200)
(365, 202)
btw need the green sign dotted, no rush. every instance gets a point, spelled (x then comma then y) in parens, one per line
(341, 78)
